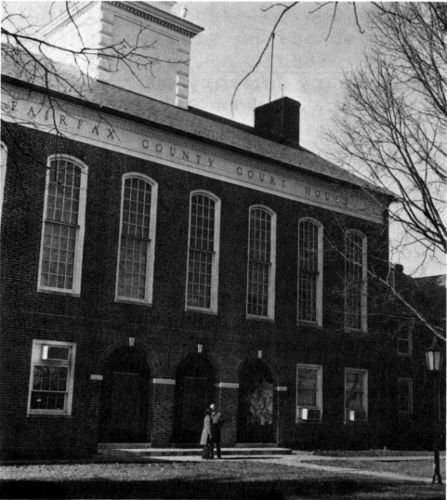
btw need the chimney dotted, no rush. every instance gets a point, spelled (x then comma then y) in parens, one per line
(158, 67)
(279, 120)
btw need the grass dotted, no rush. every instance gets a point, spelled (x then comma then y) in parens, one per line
(223, 480)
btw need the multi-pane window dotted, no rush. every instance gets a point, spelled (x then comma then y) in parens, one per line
(137, 236)
(203, 252)
(356, 395)
(309, 397)
(355, 281)
(310, 263)
(404, 337)
(3, 162)
(405, 395)
(63, 225)
(51, 377)
(261, 263)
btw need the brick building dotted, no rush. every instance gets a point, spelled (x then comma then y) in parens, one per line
(410, 386)
(156, 258)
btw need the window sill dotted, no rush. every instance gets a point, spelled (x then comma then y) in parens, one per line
(209, 312)
(47, 413)
(259, 318)
(122, 300)
(309, 324)
(58, 291)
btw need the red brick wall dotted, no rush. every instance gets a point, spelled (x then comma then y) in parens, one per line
(97, 323)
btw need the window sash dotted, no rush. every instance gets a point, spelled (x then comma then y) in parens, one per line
(309, 272)
(259, 262)
(355, 281)
(201, 285)
(135, 239)
(355, 391)
(51, 380)
(307, 387)
(60, 261)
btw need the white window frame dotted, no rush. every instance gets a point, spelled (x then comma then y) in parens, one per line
(409, 381)
(365, 394)
(364, 285)
(409, 327)
(79, 245)
(215, 260)
(272, 273)
(3, 167)
(36, 358)
(319, 282)
(319, 406)
(150, 258)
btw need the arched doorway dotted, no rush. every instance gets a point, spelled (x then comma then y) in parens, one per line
(255, 413)
(194, 393)
(125, 397)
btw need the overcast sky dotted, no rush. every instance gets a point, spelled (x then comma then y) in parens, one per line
(306, 66)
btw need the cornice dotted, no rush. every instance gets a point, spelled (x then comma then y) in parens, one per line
(157, 16)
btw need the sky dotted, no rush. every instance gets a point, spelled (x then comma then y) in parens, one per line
(307, 66)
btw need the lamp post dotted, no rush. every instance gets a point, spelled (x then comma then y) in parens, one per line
(433, 360)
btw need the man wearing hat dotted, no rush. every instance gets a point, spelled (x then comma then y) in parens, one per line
(216, 424)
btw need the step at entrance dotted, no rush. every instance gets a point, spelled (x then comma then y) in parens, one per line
(142, 450)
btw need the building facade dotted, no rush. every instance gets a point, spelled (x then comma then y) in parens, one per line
(156, 258)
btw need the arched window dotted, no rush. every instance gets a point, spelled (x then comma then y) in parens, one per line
(355, 281)
(63, 225)
(137, 239)
(310, 271)
(3, 162)
(203, 252)
(261, 263)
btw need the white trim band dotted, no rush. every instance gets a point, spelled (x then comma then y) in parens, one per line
(227, 385)
(163, 381)
(96, 377)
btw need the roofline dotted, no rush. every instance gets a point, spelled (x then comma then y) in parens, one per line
(390, 197)
(140, 9)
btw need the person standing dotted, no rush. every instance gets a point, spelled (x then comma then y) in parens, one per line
(216, 425)
(205, 438)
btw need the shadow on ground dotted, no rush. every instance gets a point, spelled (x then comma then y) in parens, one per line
(230, 488)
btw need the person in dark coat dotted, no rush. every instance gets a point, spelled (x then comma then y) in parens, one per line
(216, 425)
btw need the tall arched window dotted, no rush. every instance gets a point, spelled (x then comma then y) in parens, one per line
(137, 239)
(310, 271)
(261, 263)
(63, 225)
(203, 252)
(3, 163)
(355, 281)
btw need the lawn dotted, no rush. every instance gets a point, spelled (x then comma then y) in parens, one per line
(213, 480)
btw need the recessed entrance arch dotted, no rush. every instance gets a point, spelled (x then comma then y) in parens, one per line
(255, 411)
(125, 397)
(194, 393)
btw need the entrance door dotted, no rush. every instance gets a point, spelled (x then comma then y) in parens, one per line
(124, 399)
(194, 393)
(255, 415)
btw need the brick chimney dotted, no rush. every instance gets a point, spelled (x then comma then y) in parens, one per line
(279, 120)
